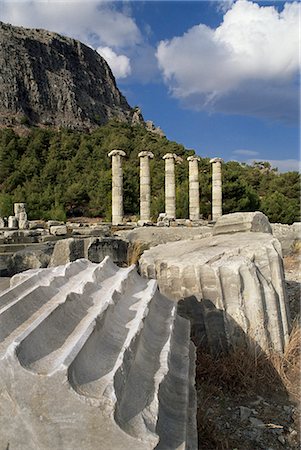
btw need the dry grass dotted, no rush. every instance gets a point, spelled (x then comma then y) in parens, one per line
(246, 369)
(135, 251)
(242, 374)
(288, 365)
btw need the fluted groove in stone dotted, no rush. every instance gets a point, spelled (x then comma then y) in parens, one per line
(117, 186)
(145, 187)
(216, 188)
(194, 188)
(241, 275)
(98, 348)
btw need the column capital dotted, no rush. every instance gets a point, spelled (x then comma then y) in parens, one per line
(146, 154)
(177, 158)
(215, 160)
(169, 156)
(117, 152)
(193, 158)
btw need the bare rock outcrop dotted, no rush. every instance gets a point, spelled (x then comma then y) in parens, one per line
(239, 277)
(48, 79)
(93, 356)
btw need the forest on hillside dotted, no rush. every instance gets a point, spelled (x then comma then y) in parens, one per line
(65, 173)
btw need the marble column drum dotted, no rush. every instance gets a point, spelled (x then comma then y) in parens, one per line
(117, 186)
(216, 188)
(194, 188)
(170, 185)
(145, 188)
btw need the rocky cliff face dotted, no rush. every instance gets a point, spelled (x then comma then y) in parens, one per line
(48, 79)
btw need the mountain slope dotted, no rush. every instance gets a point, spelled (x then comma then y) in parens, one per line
(48, 79)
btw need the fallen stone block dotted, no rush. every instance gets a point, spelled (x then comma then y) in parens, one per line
(33, 257)
(36, 224)
(93, 356)
(54, 223)
(288, 235)
(241, 278)
(242, 221)
(67, 250)
(98, 249)
(91, 231)
(151, 236)
(58, 230)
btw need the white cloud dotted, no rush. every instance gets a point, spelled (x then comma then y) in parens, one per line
(283, 165)
(93, 22)
(247, 65)
(246, 152)
(120, 64)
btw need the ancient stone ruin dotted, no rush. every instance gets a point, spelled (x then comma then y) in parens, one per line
(99, 358)
(236, 274)
(170, 187)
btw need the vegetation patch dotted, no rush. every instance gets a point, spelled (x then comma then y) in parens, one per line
(58, 172)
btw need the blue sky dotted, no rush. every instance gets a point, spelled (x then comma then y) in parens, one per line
(221, 77)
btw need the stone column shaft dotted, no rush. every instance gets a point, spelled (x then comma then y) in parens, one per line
(145, 188)
(216, 188)
(170, 185)
(117, 186)
(194, 188)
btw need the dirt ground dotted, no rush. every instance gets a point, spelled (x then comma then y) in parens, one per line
(248, 403)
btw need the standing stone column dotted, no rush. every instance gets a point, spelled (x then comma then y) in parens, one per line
(117, 186)
(194, 188)
(145, 190)
(170, 185)
(216, 188)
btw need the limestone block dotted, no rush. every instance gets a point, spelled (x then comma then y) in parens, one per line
(33, 257)
(98, 249)
(54, 223)
(91, 231)
(288, 235)
(2, 223)
(242, 221)
(67, 250)
(151, 236)
(12, 222)
(144, 223)
(93, 356)
(20, 214)
(22, 221)
(10, 234)
(240, 275)
(58, 230)
(36, 224)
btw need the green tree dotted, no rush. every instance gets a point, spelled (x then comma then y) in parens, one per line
(280, 208)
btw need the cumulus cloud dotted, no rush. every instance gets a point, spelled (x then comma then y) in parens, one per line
(120, 64)
(93, 22)
(247, 65)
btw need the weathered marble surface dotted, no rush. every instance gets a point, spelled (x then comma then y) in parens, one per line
(240, 275)
(242, 221)
(92, 356)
